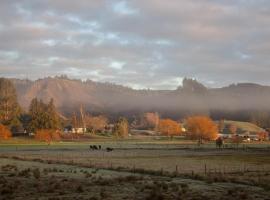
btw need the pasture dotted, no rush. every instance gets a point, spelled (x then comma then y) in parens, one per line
(136, 169)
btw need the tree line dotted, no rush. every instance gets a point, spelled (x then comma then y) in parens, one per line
(43, 116)
(43, 119)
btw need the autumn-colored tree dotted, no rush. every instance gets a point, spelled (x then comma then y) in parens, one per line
(262, 135)
(151, 120)
(47, 135)
(121, 128)
(43, 135)
(4, 132)
(97, 123)
(201, 127)
(169, 127)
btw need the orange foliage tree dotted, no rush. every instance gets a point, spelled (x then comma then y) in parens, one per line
(201, 127)
(4, 132)
(47, 135)
(97, 123)
(262, 135)
(169, 127)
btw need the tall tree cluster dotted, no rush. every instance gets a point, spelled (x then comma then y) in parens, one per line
(9, 107)
(43, 116)
(121, 128)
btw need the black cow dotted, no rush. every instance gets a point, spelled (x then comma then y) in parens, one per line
(219, 142)
(95, 147)
(108, 149)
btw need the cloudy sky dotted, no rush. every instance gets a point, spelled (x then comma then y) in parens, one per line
(138, 43)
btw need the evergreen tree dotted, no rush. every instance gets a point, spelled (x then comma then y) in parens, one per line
(9, 107)
(43, 116)
(54, 120)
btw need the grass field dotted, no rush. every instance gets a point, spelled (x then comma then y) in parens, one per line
(135, 169)
(246, 126)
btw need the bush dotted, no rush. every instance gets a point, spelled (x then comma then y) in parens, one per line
(4, 132)
(24, 173)
(79, 189)
(155, 195)
(6, 190)
(9, 168)
(36, 173)
(47, 135)
(184, 188)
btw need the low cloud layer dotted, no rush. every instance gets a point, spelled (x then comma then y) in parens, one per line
(141, 44)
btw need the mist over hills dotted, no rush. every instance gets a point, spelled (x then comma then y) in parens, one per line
(190, 98)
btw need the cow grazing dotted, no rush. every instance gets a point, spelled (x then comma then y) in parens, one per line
(108, 149)
(95, 147)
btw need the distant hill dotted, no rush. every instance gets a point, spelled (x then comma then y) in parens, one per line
(191, 97)
(242, 127)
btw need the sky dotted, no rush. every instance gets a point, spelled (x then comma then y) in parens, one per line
(138, 43)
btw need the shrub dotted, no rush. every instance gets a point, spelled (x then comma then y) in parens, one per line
(24, 173)
(174, 186)
(103, 194)
(3, 180)
(9, 168)
(36, 173)
(6, 190)
(93, 198)
(155, 195)
(4, 132)
(169, 127)
(243, 195)
(184, 187)
(88, 175)
(47, 135)
(79, 189)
